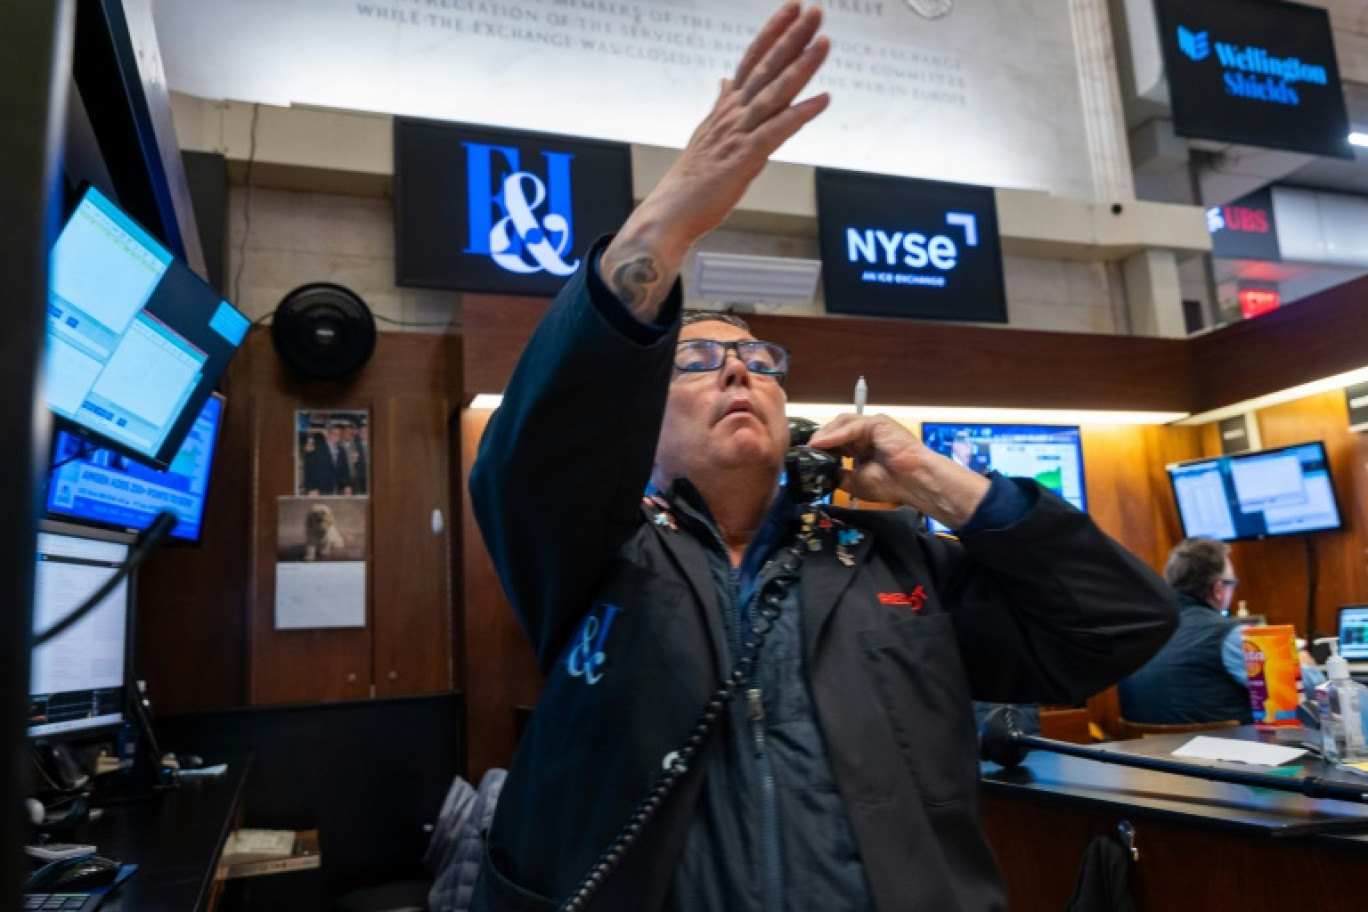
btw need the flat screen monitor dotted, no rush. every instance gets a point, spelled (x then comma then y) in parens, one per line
(1051, 455)
(1353, 632)
(135, 340)
(112, 490)
(1286, 491)
(76, 680)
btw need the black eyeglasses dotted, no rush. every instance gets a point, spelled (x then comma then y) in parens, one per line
(695, 356)
(1231, 581)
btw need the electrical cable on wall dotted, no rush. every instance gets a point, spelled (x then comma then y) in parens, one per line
(246, 205)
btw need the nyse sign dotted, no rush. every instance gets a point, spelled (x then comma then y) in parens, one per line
(909, 248)
(478, 209)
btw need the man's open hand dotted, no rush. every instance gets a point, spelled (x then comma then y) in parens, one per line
(753, 116)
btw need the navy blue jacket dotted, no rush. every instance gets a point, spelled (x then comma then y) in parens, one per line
(1186, 681)
(623, 614)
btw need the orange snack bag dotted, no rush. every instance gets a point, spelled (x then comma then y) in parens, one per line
(1274, 672)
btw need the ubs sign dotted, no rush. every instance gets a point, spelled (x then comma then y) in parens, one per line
(1244, 229)
(897, 247)
(1257, 72)
(499, 211)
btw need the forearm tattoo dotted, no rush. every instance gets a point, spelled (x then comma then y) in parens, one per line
(635, 283)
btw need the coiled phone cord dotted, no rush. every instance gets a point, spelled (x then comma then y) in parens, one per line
(676, 763)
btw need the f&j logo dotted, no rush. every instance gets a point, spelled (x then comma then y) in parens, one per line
(534, 228)
(586, 657)
(1196, 45)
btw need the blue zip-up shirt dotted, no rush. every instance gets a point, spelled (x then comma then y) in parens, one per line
(770, 834)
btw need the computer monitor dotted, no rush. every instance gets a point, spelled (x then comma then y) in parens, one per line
(77, 680)
(1052, 455)
(1243, 496)
(111, 490)
(1353, 632)
(135, 340)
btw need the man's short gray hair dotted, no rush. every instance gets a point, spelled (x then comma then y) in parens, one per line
(701, 316)
(1195, 564)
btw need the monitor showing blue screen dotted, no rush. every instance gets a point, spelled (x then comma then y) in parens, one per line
(1285, 491)
(109, 489)
(1052, 456)
(135, 340)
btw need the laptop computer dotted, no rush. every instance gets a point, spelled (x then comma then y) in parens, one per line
(1353, 637)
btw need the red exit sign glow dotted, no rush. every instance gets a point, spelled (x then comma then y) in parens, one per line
(1255, 301)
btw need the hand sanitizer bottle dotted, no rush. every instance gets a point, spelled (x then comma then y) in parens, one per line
(1340, 706)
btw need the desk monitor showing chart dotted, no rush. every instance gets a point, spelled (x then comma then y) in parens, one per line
(1053, 456)
(1245, 496)
(135, 340)
(111, 490)
(76, 680)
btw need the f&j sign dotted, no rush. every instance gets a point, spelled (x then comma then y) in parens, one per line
(501, 211)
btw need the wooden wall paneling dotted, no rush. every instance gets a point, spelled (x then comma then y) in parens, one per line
(335, 664)
(1318, 337)
(1128, 497)
(947, 364)
(906, 362)
(1119, 489)
(294, 666)
(192, 603)
(455, 510)
(496, 329)
(411, 593)
(1276, 569)
(501, 672)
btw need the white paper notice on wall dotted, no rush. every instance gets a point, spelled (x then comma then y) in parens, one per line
(309, 595)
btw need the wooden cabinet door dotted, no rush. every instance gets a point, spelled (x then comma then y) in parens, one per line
(411, 592)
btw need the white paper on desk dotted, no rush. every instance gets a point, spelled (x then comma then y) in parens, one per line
(331, 594)
(1257, 753)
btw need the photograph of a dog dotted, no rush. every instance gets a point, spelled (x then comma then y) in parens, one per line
(313, 529)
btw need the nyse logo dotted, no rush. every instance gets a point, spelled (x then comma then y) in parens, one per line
(534, 225)
(1197, 45)
(911, 248)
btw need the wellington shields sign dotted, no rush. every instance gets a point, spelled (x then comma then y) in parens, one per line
(1255, 72)
(500, 211)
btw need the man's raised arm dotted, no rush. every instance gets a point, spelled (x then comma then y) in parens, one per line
(753, 116)
(564, 461)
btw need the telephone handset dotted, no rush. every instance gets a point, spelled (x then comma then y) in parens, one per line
(810, 475)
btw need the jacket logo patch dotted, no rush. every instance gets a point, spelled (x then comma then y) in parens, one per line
(586, 659)
(914, 599)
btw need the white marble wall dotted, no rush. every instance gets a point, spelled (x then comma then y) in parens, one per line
(297, 237)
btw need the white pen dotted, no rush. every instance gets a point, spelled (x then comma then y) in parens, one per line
(861, 397)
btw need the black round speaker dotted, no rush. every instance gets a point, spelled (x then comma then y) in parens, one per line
(323, 330)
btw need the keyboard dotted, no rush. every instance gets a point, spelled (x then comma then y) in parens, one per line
(66, 902)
